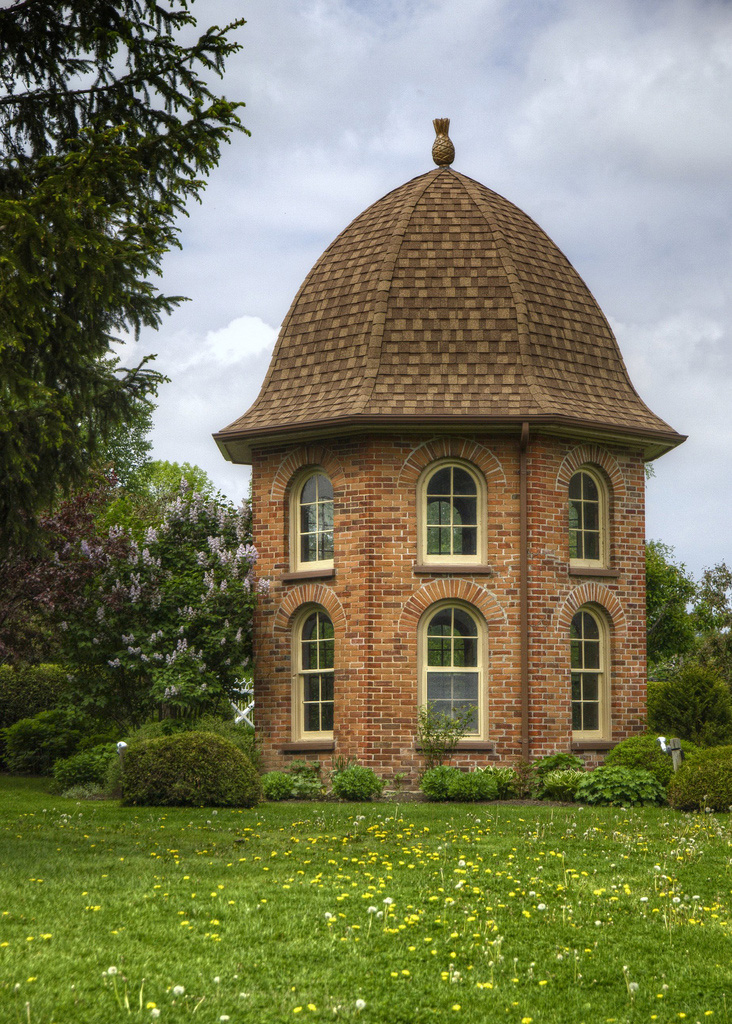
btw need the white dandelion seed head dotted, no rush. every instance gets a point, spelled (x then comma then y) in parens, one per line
(178, 990)
(360, 1004)
(111, 970)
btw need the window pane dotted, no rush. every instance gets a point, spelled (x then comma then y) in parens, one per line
(308, 518)
(589, 687)
(327, 717)
(310, 626)
(575, 486)
(442, 707)
(325, 487)
(308, 547)
(325, 546)
(576, 654)
(325, 515)
(438, 651)
(465, 512)
(312, 717)
(465, 652)
(592, 519)
(441, 623)
(464, 623)
(590, 716)
(465, 540)
(574, 545)
(460, 706)
(326, 654)
(575, 630)
(465, 686)
(592, 654)
(439, 482)
(574, 515)
(309, 491)
(589, 488)
(592, 546)
(438, 512)
(462, 482)
(439, 686)
(576, 716)
(589, 627)
(433, 540)
(576, 686)
(311, 686)
(326, 686)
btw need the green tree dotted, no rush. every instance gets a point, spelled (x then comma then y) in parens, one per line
(108, 126)
(713, 620)
(669, 591)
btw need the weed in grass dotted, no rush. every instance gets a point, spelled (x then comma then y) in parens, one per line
(391, 914)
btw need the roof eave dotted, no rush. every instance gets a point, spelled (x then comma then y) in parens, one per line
(236, 445)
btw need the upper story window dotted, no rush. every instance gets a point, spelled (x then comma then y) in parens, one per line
(452, 663)
(588, 540)
(589, 657)
(314, 676)
(312, 518)
(452, 502)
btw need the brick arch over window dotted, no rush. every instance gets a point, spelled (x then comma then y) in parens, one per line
(450, 590)
(307, 455)
(590, 593)
(309, 593)
(450, 448)
(594, 455)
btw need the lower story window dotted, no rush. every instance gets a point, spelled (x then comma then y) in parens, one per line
(315, 673)
(452, 664)
(589, 675)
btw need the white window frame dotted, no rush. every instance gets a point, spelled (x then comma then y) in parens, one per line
(298, 677)
(481, 668)
(297, 563)
(603, 732)
(479, 558)
(603, 520)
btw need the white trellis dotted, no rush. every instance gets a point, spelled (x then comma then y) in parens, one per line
(243, 703)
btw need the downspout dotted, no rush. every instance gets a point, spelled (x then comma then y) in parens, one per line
(524, 589)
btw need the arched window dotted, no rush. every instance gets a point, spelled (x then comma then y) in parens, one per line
(587, 519)
(314, 644)
(312, 519)
(452, 663)
(589, 661)
(452, 501)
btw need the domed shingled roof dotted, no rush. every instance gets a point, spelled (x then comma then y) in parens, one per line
(445, 305)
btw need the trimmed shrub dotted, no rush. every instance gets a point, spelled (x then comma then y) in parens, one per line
(276, 786)
(466, 787)
(32, 745)
(507, 780)
(27, 690)
(703, 781)
(695, 705)
(190, 769)
(240, 734)
(620, 786)
(435, 782)
(88, 768)
(644, 752)
(552, 763)
(356, 783)
(562, 783)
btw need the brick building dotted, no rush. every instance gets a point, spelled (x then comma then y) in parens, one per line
(448, 482)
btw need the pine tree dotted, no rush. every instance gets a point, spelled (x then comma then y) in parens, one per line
(108, 127)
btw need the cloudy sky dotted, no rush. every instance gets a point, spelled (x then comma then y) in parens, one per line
(607, 121)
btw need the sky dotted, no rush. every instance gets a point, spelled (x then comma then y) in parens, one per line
(607, 121)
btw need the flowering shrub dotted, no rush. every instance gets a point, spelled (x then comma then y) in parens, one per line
(167, 622)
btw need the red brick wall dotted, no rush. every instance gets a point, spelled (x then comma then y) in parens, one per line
(375, 599)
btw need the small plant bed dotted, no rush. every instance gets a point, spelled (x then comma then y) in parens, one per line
(415, 913)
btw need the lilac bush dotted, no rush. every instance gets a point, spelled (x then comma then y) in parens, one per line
(168, 621)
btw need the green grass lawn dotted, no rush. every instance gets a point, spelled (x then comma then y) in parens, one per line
(378, 912)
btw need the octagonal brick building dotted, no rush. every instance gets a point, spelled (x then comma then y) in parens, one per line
(448, 495)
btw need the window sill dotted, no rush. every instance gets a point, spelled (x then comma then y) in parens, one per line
(452, 568)
(303, 746)
(309, 574)
(591, 570)
(592, 744)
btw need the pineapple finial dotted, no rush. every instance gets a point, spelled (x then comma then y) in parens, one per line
(443, 151)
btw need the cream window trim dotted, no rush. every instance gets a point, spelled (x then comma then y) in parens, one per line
(588, 519)
(589, 643)
(440, 523)
(455, 690)
(311, 479)
(309, 688)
